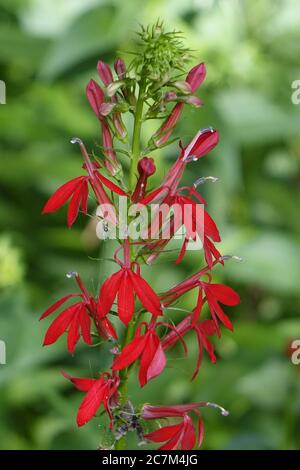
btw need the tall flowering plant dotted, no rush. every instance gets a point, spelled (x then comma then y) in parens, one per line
(127, 312)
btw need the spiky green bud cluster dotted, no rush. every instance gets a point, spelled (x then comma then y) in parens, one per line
(161, 53)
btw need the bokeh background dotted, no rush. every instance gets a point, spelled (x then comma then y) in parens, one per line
(48, 52)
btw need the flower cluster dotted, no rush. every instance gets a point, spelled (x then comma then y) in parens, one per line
(127, 312)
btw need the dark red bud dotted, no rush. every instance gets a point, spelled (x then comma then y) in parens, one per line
(146, 167)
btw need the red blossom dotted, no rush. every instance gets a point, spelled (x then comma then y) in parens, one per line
(76, 319)
(103, 390)
(148, 348)
(77, 191)
(202, 329)
(126, 283)
(214, 295)
(177, 436)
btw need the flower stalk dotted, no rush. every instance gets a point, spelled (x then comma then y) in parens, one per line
(145, 335)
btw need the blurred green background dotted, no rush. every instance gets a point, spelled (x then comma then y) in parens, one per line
(48, 52)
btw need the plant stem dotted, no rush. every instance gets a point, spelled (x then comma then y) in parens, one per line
(138, 119)
(135, 151)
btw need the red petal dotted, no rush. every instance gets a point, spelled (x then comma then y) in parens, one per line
(125, 299)
(209, 251)
(113, 187)
(83, 385)
(210, 228)
(198, 308)
(209, 347)
(84, 197)
(91, 403)
(146, 358)
(73, 333)
(130, 353)
(61, 195)
(208, 327)
(157, 364)
(74, 205)
(85, 325)
(164, 433)
(59, 325)
(189, 435)
(108, 292)
(200, 431)
(199, 359)
(57, 304)
(217, 310)
(146, 294)
(174, 442)
(225, 294)
(182, 251)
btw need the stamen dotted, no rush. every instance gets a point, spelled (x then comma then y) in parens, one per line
(203, 180)
(71, 274)
(215, 405)
(76, 140)
(238, 259)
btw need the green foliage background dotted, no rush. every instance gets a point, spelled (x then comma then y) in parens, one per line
(48, 52)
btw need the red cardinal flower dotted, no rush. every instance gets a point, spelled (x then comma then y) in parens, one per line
(196, 221)
(77, 319)
(126, 283)
(202, 329)
(214, 295)
(99, 391)
(77, 190)
(194, 79)
(181, 435)
(176, 436)
(204, 141)
(148, 347)
(186, 211)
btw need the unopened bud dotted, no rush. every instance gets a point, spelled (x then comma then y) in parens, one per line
(120, 68)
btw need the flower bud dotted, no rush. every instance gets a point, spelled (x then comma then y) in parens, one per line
(120, 68)
(104, 72)
(146, 167)
(196, 76)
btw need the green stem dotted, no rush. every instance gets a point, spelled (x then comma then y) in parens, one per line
(136, 137)
(135, 151)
